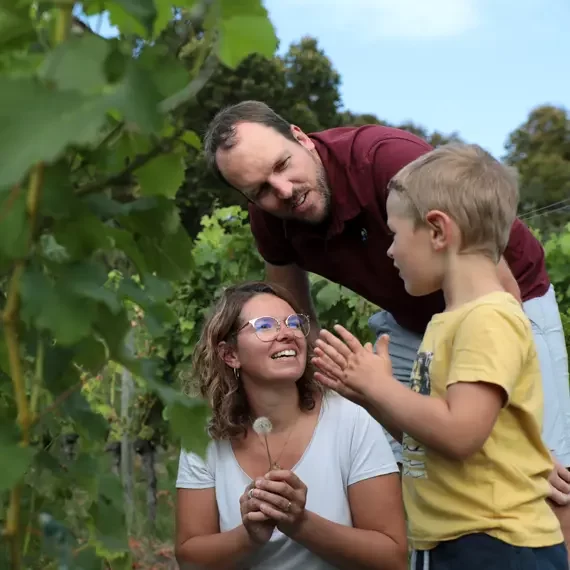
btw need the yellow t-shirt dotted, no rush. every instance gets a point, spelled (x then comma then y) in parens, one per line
(501, 489)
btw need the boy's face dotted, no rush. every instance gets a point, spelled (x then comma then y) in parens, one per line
(412, 250)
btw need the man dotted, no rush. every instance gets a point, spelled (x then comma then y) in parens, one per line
(318, 203)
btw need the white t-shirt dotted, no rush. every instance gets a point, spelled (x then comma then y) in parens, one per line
(347, 446)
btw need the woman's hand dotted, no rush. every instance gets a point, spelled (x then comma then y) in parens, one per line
(258, 525)
(282, 496)
(559, 480)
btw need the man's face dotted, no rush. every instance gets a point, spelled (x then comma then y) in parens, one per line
(283, 177)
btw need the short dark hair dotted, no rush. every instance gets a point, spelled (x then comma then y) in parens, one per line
(222, 129)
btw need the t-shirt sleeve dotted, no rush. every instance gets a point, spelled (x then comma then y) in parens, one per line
(390, 155)
(491, 345)
(370, 452)
(270, 238)
(194, 472)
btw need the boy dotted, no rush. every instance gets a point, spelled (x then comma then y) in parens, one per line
(474, 489)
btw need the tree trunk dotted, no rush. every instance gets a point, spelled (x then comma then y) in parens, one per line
(147, 452)
(127, 452)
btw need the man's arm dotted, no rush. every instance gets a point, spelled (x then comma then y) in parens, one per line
(508, 280)
(296, 281)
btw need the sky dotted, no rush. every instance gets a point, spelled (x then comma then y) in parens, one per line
(477, 67)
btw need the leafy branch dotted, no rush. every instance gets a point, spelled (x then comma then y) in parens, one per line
(163, 146)
(11, 319)
(89, 102)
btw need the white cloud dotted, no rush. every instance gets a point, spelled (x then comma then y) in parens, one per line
(407, 19)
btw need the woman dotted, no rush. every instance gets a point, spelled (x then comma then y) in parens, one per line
(320, 491)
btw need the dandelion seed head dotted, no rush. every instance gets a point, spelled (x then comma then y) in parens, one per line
(262, 426)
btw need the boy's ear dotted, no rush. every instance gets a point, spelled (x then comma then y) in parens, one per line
(441, 228)
(228, 354)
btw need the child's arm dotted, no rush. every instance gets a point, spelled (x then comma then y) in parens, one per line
(456, 426)
(488, 351)
(329, 374)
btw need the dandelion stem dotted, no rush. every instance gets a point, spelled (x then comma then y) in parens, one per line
(268, 453)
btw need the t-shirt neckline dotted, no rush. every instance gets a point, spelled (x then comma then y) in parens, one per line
(305, 453)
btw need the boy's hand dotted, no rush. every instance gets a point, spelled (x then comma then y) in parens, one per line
(349, 368)
(329, 376)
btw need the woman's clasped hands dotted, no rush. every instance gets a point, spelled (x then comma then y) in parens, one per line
(276, 500)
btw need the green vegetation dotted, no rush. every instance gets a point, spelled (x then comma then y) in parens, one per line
(114, 242)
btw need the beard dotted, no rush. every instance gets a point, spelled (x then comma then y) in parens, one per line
(322, 189)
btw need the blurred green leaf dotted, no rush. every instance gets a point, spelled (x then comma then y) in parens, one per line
(58, 200)
(137, 98)
(108, 528)
(16, 461)
(15, 26)
(113, 328)
(81, 236)
(54, 120)
(14, 228)
(125, 14)
(161, 176)
(52, 307)
(87, 279)
(157, 317)
(329, 295)
(92, 424)
(90, 354)
(77, 64)
(189, 423)
(59, 373)
(192, 139)
(244, 29)
(169, 258)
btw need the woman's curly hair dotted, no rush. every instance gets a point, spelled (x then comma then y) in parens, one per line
(217, 381)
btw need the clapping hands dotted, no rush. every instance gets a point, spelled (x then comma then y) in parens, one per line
(347, 367)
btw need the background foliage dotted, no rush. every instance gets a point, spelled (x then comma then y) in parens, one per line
(114, 241)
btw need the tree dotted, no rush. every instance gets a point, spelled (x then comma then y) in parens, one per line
(302, 86)
(94, 143)
(540, 151)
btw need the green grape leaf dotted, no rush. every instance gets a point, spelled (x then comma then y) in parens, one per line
(78, 63)
(192, 139)
(244, 29)
(329, 295)
(17, 459)
(128, 14)
(50, 306)
(189, 423)
(14, 227)
(163, 175)
(54, 120)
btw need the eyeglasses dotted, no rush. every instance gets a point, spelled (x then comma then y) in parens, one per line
(267, 328)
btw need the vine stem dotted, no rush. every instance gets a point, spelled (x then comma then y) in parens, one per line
(10, 318)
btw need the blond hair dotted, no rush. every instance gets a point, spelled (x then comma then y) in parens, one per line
(464, 181)
(217, 381)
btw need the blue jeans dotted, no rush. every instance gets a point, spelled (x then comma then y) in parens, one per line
(483, 552)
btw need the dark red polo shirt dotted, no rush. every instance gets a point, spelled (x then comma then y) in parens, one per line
(351, 248)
